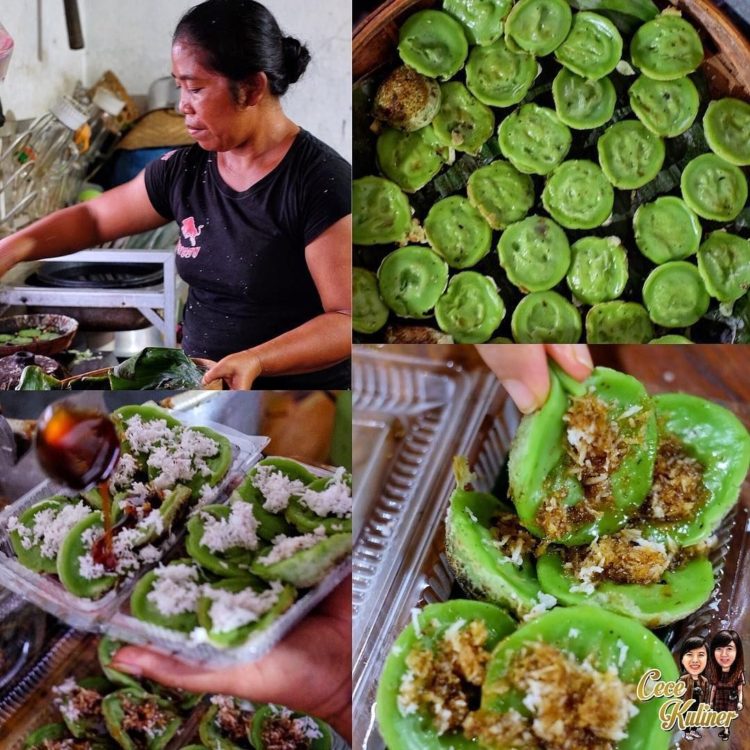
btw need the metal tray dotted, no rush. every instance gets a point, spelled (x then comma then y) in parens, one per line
(483, 428)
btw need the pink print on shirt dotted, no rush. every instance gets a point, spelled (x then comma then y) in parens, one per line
(191, 232)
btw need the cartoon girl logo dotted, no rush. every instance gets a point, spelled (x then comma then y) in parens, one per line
(727, 674)
(693, 661)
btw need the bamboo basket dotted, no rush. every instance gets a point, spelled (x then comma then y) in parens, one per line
(726, 64)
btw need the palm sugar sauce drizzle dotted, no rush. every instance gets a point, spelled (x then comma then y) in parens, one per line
(79, 447)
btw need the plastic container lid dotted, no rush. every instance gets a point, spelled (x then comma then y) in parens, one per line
(108, 102)
(69, 114)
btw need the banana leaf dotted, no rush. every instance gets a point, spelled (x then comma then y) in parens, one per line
(627, 15)
(33, 378)
(156, 368)
(736, 321)
(453, 180)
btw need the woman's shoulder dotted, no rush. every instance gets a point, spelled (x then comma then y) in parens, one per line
(315, 155)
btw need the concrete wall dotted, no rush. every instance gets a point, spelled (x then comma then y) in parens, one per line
(132, 38)
(32, 85)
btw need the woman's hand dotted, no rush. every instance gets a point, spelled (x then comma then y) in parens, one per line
(13, 250)
(239, 371)
(309, 671)
(522, 368)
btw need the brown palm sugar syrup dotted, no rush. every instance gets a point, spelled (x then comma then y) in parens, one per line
(79, 447)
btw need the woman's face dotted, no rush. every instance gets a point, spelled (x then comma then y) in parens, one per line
(212, 117)
(725, 656)
(695, 661)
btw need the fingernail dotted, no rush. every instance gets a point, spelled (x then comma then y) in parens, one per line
(582, 355)
(126, 667)
(521, 395)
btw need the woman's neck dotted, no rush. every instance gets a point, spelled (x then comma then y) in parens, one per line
(268, 130)
(264, 148)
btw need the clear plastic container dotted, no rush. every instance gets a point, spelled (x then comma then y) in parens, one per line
(482, 427)
(64, 653)
(430, 410)
(110, 614)
(124, 626)
(90, 614)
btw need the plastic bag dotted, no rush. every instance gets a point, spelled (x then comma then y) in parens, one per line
(6, 50)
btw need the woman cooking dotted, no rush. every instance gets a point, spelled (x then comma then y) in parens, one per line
(262, 205)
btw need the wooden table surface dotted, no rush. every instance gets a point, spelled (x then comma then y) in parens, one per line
(718, 372)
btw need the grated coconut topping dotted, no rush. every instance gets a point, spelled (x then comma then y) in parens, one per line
(545, 602)
(334, 500)
(624, 557)
(511, 539)
(285, 546)
(49, 527)
(678, 489)
(124, 548)
(597, 441)
(573, 706)
(178, 454)
(175, 589)
(276, 487)
(75, 702)
(230, 610)
(239, 529)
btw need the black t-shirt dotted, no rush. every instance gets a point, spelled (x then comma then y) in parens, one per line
(243, 253)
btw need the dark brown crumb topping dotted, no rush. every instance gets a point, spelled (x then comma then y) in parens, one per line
(596, 444)
(678, 489)
(284, 733)
(511, 538)
(573, 706)
(445, 683)
(88, 703)
(233, 721)
(143, 718)
(625, 557)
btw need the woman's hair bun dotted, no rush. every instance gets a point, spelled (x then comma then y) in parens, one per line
(296, 58)
(240, 38)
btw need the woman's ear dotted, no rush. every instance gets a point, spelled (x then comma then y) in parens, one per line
(253, 90)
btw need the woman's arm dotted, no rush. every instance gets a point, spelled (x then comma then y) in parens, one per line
(316, 344)
(119, 212)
